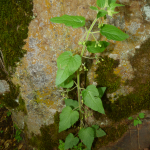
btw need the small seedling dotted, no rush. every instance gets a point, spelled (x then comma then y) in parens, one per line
(17, 135)
(137, 120)
(8, 113)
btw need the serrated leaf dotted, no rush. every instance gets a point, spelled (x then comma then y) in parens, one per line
(113, 33)
(130, 118)
(111, 12)
(72, 103)
(68, 83)
(101, 13)
(92, 49)
(113, 5)
(111, 1)
(92, 100)
(141, 115)
(93, 8)
(67, 65)
(87, 136)
(67, 118)
(100, 3)
(74, 21)
(136, 122)
(100, 133)
(71, 141)
(101, 91)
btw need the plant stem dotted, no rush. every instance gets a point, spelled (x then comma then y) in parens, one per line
(78, 78)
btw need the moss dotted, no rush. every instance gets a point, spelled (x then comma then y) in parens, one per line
(22, 106)
(50, 137)
(106, 77)
(112, 134)
(8, 99)
(15, 19)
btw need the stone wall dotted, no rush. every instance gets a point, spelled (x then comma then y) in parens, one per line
(36, 72)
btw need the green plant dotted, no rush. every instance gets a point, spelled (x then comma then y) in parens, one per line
(17, 135)
(1, 131)
(8, 113)
(1, 106)
(137, 121)
(62, 144)
(69, 65)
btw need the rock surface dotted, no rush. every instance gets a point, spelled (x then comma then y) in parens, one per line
(46, 41)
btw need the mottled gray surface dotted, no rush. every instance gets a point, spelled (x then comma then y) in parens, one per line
(4, 87)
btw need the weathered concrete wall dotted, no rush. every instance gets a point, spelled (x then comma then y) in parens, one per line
(46, 41)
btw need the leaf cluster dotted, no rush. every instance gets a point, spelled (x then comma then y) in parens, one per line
(68, 65)
(137, 120)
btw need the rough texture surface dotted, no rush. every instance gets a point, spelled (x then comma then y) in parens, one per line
(4, 87)
(46, 41)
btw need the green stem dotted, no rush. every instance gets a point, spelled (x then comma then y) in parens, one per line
(78, 77)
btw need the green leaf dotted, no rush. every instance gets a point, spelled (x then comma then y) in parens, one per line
(91, 46)
(111, 12)
(74, 21)
(101, 91)
(113, 5)
(136, 122)
(68, 83)
(100, 133)
(67, 65)
(92, 100)
(140, 122)
(72, 103)
(87, 136)
(130, 118)
(113, 33)
(141, 115)
(111, 8)
(67, 118)
(94, 8)
(100, 3)
(111, 1)
(71, 141)
(95, 127)
(101, 13)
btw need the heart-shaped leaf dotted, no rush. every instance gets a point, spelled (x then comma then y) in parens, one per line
(100, 133)
(136, 122)
(72, 103)
(68, 83)
(67, 118)
(101, 91)
(71, 141)
(113, 33)
(141, 115)
(74, 21)
(92, 100)
(67, 65)
(91, 46)
(87, 136)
